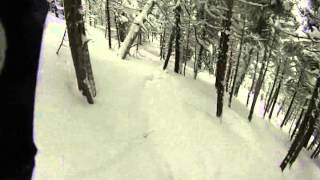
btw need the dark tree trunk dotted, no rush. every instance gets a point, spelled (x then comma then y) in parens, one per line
(188, 53)
(276, 96)
(222, 58)
(271, 92)
(315, 154)
(178, 34)
(162, 43)
(237, 66)
(306, 129)
(108, 23)
(291, 103)
(243, 74)
(262, 74)
(258, 85)
(299, 120)
(79, 48)
(253, 78)
(169, 50)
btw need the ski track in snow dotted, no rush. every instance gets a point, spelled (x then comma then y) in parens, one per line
(146, 124)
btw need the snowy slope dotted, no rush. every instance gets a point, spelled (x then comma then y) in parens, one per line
(146, 124)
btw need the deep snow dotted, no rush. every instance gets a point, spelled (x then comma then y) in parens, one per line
(147, 124)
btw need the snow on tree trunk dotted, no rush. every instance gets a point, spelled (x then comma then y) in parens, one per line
(79, 48)
(222, 58)
(135, 28)
(198, 57)
(229, 68)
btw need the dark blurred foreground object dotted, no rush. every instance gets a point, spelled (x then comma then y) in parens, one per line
(23, 23)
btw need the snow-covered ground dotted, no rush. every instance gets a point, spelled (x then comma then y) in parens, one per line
(147, 124)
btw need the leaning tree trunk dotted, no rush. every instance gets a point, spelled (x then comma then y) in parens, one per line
(291, 103)
(108, 23)
(316, 153)
(79, 48)
(258, 85)
(135, 28)
(178, 34)
(276, 94)
(238, 63)
(271, 92)
(306, 128)
(222, 57)
(169, 50)
(299, 120)
(254, 78)
(243, 74)
(261, 77)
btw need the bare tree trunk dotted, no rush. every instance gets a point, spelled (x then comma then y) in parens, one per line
(271, 92)
(108, 23)
(254, 78)
(222, 58)
(238, 63)
(162, 43)
(261, 77)
(169, 51)
(79, 48)
(178, 34)
(188, 53)
(117, 29)
(243, 74)
(299, 120)
(291, 103)
(276, 94)
(229, 67)
(135, 28)
(258, 84)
